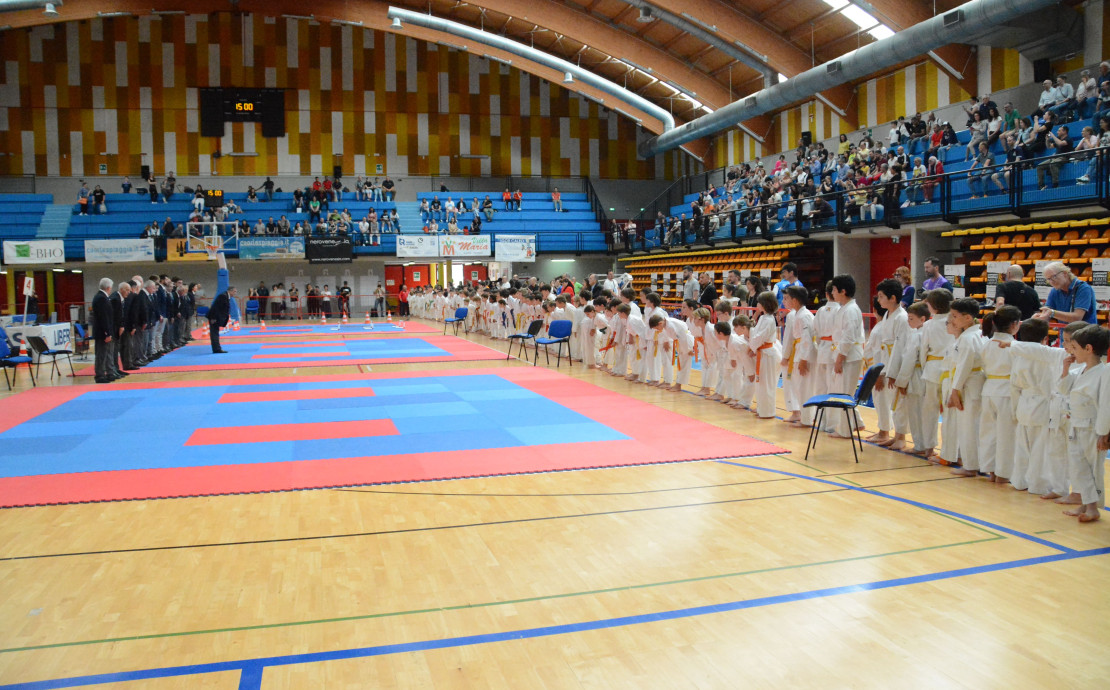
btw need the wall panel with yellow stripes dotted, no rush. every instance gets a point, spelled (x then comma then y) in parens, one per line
(914, 89)
(122, 92)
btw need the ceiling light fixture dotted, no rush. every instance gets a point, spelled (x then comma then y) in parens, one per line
(645, 16)
(50, 10)
(568, 78)
(396, 25)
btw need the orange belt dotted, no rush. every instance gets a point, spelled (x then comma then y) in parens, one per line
(698, 340)
(827, 338)
(759, 358)
(610, 345)
(675, 361)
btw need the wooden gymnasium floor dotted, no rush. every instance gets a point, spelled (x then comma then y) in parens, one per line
(766, 572)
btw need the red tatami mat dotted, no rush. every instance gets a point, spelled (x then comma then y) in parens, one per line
(654, 435)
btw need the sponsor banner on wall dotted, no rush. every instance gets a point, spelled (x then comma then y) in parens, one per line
(119, 251)
(177, 249)
(259, 248)
(516, 248)
(34, 252)
(955, 273)
(417, 245)
(329, 250)
(1041, 285)
(464, 245)
(1100, 279)
(996, 275)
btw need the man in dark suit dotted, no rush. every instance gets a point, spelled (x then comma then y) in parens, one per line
(102, 329)
(137, 316)
(184, 313)
(218, 315)
(120, 344)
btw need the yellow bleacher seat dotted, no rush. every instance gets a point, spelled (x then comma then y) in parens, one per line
(1052, 254)
(1036, 255)
(1090, 253)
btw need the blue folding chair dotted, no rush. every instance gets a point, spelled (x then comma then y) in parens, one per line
(522, 338)
(459, 317)
(558, 333)
(842, 401)
(252, 308)
(10, 360)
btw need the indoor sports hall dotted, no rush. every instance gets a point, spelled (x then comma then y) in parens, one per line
(555, 344)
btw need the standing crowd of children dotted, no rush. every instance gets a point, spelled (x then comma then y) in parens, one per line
(1008, 405)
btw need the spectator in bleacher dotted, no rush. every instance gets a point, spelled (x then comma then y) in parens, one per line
(337, 188)
(271, 226)
(979, 171)
(360, 188)
(328, 189)
(518, 198)
(168, 227)
(314, 210)
(1037, 141)
(1070, 299)
(83, 199)
(436, 208)
(873, 206)
(377, 191)
(1103, 140)
(995, 123)
(425, 211)
(387, 189)
(898, 133)
(1086, 95)
(449, 210)
(97, 199)
(1015, 292)
(126, 184)
(168, 185)
(152, 189)
(1047, 99)
(916, 187)
(259, 228)
(1060, 143)
(283, 226)
(1065, 97)
(432, 227)
(298, 200)
(933, 277)
(557, 200)
(268, 189)
(978, 129)
(252, 195)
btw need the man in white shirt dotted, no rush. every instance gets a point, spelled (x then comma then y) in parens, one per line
(610, 284)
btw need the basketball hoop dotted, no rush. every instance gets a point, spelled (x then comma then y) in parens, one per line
(212, 247)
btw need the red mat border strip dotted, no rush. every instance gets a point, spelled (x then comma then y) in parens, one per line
(410, 328)
(459, 350)
(655, 436)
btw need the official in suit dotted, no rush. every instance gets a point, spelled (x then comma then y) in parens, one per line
(119, 339)
(103, 327)
(218, 315)
(137, 316)
(184, 313)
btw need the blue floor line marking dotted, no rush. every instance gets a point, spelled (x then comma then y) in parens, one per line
(251, 677)
(917, 504)
(248, 667)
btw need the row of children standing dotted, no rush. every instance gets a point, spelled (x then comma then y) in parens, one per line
(942, 370)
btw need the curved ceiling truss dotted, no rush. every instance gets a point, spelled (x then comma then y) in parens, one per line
(687, 73)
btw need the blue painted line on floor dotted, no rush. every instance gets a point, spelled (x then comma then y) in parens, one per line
(249, 667)
(251, 678)
(918, 504)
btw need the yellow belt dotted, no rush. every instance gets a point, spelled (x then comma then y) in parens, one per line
(793, 353)
(933, 358)
(997, 376)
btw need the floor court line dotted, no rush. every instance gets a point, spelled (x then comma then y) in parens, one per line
(505, 602)
(544, 518)
(250, 668)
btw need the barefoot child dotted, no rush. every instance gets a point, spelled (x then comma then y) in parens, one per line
(906, 372)
(765, 347)
(1089, 413)
(698, 321)
(682, 352)
(823, 330)
(965, 398)
(587, 332)
(895, 328)
(848, 343)
(873, 354)
(742, 362)
(712, 372)
(997, 423)
(799, 355)
(935, 340)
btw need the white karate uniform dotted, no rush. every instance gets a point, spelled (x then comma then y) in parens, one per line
(1041, 413)
(740, 386)
(797, 345)
(764, 343)
(619, 352)
(637, 334)
(997, 423)
(1088, 391)
(823, 371)
(935, 341)
(905, 369)
(682, 348)
(587, 330)
(848, 340)
(715, 356)
(873, 354)
(895, 327)
(967, 377)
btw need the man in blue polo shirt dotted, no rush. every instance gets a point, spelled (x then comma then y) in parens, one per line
(789, 277)
(1070, 299)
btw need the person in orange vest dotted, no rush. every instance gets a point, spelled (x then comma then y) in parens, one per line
(517, 198)
(507, 197)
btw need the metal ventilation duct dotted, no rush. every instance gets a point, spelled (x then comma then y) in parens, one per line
(538, 56)
(959, 25)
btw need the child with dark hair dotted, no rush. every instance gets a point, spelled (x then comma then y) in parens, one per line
(823, 333)
(893, 326)
(765, 346)
(740, 364)
(996, 418)
(935, 341)
(962, 405)
(848, 340)
(905, 371)
(799, 355)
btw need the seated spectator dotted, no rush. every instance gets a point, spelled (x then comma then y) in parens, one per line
(980, 170)
(1086, 95)
(271, 226)
(436, 208)
(259, 228)
(231, 207)
(314, 210)
(995, 124)
(517, 199)
(360, 188)
(1065, 99)
(168, 227)
(425, 211)
(283, 226)
(1037, 141)
(557, 200)
(1060, 144)
(487, 208)
(97, 199)
(934, 168)
(252, 196)
(387, 187)
(978, 129)
(453, 225)
(1047, 99)
(1093, 141)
